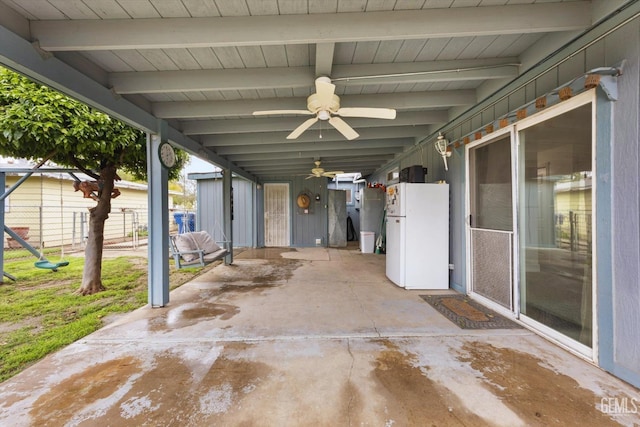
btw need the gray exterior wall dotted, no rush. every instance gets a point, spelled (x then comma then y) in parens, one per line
(618, 257)
(209, 209)
(305, 228)
(625, 180)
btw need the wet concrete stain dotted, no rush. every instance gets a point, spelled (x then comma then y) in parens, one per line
(277, 270)
(178, 317)
(167, 394)
(162, 395)
(411, 398)
(265, 253)
(208, 306)
(69, 397)
(210, 311)
(229, 289)
(540, 396)
(226, 385)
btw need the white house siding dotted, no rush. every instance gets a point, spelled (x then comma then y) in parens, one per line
(59, 203)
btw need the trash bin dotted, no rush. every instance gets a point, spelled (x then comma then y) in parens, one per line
(186, 221)
(367, 241)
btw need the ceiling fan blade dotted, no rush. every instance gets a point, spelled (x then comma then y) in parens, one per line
(279, 112)
(373, 113)
(342, 127)
(310, 176)
(304, 126)
(325, 92)
(332, 174)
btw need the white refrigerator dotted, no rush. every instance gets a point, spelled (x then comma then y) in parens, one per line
(417, 250)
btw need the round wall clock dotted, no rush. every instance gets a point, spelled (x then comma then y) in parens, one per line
(167, 155)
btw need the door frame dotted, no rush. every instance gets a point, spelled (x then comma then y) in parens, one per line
(486, 140)
(289, 210)
(589, 353)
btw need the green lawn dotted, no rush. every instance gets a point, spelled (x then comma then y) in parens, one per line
(39, 313)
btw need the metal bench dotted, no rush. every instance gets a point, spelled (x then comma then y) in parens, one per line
(198, 253)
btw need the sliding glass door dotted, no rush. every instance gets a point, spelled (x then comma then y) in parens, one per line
(555, 189)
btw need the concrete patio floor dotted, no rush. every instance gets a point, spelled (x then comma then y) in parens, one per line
(308, 337)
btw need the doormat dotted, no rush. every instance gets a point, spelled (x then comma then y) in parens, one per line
(468, 314)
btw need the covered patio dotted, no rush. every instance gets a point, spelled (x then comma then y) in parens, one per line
(305, 334)
(308, 336)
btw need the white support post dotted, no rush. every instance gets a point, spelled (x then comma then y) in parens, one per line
(158, 220)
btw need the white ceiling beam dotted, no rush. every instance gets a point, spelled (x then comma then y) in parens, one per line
(293, 162)
(13, 21)
(297, 77)
(356, 152)
(22, 57)
(167, 33)
(306, 169)
(230, 150)
(399, 101)
(324, 58)
(312, 135)
(274, 124)
(307, 163)
(207, 80)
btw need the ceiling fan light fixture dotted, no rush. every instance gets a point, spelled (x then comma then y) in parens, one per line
(324, 104)
(324, 115)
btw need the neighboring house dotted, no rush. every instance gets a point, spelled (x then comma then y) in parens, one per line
(55, 213)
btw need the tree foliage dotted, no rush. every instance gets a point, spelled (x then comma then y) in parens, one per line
(39, 123)
(36, 121)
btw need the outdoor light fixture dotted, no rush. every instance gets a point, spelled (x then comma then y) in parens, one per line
(441, 148)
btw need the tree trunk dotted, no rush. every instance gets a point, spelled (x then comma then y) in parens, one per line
(92, 274)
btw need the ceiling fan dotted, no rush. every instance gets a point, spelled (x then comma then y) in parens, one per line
(325, 105)
(319, 172)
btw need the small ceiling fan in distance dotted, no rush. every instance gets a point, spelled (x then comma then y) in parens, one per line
(325, 105)
(319, 172)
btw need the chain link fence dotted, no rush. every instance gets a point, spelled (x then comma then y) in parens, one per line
(56, 229)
